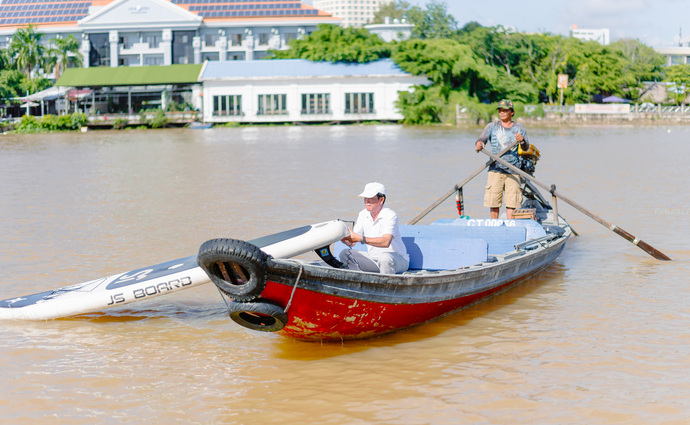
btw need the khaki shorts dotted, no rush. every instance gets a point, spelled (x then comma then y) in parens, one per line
(493, 197)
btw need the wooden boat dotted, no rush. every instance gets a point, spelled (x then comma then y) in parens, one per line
(453, 263)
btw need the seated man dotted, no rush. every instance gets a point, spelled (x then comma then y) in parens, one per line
(376, 227)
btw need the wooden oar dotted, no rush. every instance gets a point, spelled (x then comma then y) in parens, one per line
(457, 186)
(627, 236)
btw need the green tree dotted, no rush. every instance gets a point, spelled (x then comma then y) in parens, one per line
(423, 105)
(680, 76)
(457, 74)
(512, 56)
(476, 66)
(26, 49)
(65, 53)
(11, 83)
(469, 27)
(643, 61)
(33, 85)
(599, 70)
(5, 60)
(445, 62)
(334, 43)
(393, 10)
(555, 58)
(433, 21)
(528, 65)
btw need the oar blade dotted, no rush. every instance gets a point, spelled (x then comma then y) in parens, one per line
(653, 251)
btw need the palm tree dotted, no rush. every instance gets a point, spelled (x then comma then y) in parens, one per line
(65, 53)
(5, 60)
(26, 49)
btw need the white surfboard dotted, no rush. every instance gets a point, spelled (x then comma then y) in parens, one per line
(160, 279)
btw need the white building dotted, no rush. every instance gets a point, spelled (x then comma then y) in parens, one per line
(163, 32)
(601, 36)
(391, 30)
(675, 55)
(296, 90)
(354, 13)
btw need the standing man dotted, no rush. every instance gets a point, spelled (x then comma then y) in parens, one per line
(377, 228)
(501, 134)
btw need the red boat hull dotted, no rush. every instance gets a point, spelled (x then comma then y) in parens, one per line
(316, 316)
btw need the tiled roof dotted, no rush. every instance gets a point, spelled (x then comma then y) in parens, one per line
(129, 76)
(278, 68)
(247, 8)
(19, 13)
(42, 12)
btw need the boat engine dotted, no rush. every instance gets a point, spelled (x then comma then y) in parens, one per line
(528, 158)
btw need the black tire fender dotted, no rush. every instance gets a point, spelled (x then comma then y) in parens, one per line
(258, 315)
(236, 267)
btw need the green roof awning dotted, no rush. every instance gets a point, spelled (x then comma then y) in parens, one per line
(129, 76)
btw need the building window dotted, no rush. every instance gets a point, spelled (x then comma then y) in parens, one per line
(182, 47)
(227, 105)
(129, 60)
(99, 54)
(359, 103)
(210, 40)
(263, 39)
(316, 103)
(153, 40)
(236, 39)
(272, 104)
(153, 60)
(127, 40)
(210, 56)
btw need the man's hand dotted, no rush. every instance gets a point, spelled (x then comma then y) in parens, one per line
(479, 146)
(352, 239)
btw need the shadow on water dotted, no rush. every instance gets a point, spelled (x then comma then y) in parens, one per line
(300, 350)
(185, 311)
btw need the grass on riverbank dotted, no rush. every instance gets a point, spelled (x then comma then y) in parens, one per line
(75, 121)
(49, 123)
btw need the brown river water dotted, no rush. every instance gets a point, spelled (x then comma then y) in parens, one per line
(600, 337)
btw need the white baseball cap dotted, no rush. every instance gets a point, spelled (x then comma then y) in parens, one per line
(373, 189)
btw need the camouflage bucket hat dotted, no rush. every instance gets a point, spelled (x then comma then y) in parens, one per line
(505, 104)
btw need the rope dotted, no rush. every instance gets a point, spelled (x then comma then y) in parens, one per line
(295, 286)
(223, 296)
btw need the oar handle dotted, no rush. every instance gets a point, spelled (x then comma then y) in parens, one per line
(631, 238)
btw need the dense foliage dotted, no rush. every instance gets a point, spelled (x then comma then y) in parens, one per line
(334, 43)
(474, 66)
(47, 123)
(430, 22)
(28, 54)
(478, 65)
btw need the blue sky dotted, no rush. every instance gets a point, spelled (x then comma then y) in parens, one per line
(654, 22)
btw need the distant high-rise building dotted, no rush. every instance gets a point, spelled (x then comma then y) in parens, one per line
(601, 36)
(354, 13)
